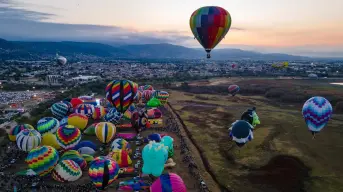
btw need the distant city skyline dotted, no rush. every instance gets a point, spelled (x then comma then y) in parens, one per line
(306, 27)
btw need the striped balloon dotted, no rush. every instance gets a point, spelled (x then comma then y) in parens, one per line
(147, 95)
(105, 131)
(47, 125)
(148, 87)
(74, 156)
(85, 109)
(66, 171)
(317, 112)
(28, 139)
(59, 110)
(68, 136)
(99, 112)
(138, 96)
(121, 144)
(42, 160)
(233, 89)
(168, 182)
(128, 113)
(103, 172)
(70, 106)
(16, 130)
(162, 96)
(87, 158)
(88, 100)
(121, 157)
(78, 120)
(120, 93)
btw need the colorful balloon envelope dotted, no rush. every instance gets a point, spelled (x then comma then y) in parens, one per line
(121, 144)
(121, 157)
(154, 102)
(113, 116)
(241, 132)
(67, 171)
(14, 131)
(168, 182)
(49, 139)
(28, 139)
(128, 113)
(64, 121)
(68, 136)
(86, 147)
(78, 120)
(76, 157)
(88, 100)
(42, 160)
(233, 89)
(317, 112)
(99, 112)
(154, 113)
(90, 129)
(209, 26)
(147, 95)
(105, 131)
(120, 93)
(103, 172)
(154, 157)
(75, 102)
(70, 106)
(87, 158)
(85, 109)
(59, 110)
(162, 96)
(138, 96)
(48, 125)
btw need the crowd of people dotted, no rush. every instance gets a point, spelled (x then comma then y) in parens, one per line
(15, 97)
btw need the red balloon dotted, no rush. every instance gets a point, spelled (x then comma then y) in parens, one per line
(75, 102)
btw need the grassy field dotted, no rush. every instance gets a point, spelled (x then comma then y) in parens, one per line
(283, 156)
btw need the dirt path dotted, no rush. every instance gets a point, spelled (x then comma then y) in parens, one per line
(200, 158)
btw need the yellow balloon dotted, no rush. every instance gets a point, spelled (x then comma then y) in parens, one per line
(49, 139)
(78, 120)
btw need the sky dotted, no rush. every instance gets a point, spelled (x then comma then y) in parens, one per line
(302, 27)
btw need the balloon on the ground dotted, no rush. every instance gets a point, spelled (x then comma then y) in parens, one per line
(64, 121)
(154, 113)
(317, 112)
(154, 103)
(241, 132)
(233, 89)
(70, 106)
(59, 110)
(87, 158)
(76, 157)
(120, 93)
(16, 129)
(168, 142)
(99, 112)
(209, 26)
(128, 113)
(28, 139)
(105, 131)
(154, 137)
(90, 129)
(121, 144)
(162, 96)
(86, 147)
(27, 172)
(103, 171)
(113, 116)
(49, 139)
(88, 100)
(168, 182)
(148, 87)
(138, 96)
(78, 120)
(84, 109)
(75, 102)
(48, 125)
(121, 157)
(42, 160)
(68, 136)
(147, 95)
(251, 117)
(154, 157)
(66, 171)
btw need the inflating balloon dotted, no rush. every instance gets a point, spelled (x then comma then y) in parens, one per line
(86, 147)
(113, 116)
(121, 144)
(121, 157)
(68, 136)
(128, 113)
(147, 95)
(47, 125)
(78, 120)
(28, 139)
(59, 110)
(42, 160)
(64, 121)
(84, 109)
(241, 132)
(105, 132)
(88, 100)
(162, 96)
(49, 139)
(76, 157)
(75, 102)
(138, 96)
(16, 129)
(99, 112)
(154, 103)
(154, 113)
(233, 89)
(251, 117)
(209, 26)
(90, 129)
(317, 112)
(168, 142)
(66, 171)
(168, 182)
(87, 158)
(70, 106)
(154, 157)
(103, 171)
(120, 93)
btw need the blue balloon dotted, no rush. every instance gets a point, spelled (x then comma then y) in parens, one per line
(86, 147)
(113, 116)
(154, 155)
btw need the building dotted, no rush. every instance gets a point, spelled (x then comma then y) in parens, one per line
(53, 79)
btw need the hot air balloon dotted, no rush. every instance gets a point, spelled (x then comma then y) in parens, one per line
(121, 144)
(61, 60)
(47, 125)
(86, 147)
(74, 156)
(128, 113)
(66, 171)
(84, 109)
(87, 158)
(168, 142)
(28, 139)
(64, 121)
(113, 116)
(241, 132)
(70, 106)
(317, 112)
(121, 157)
(147, 95)
(59, 110)
(233, 89)
(105, 131)
(138, 96)
(251, 117)
(88, 100)
(162, 96)
(90, 129)
(103, 171)
(49, 139)
(68, 136)
(154, 113)
(78, 120)
(154, 157)
(120, 93)
(42, 160)
(209, 26)
(99, 112)
(75, 102)
(16, 129)
(168, 182)
(154, 102)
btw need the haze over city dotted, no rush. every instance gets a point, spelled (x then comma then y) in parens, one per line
(307, 27)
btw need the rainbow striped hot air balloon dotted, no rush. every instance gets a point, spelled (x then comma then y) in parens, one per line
(28, 139)
(85, 109)
(105, 131)
(47, 125)
(42, 160)
(317, 112)
(120, 93)
(103, 171)
(78, 120)
(16, 129)
(99, 112)
(121, 157)
(168, 182)
(162, 96)
(59, 110)
(128, 113)
(68, 136)
(66, 171)
(76, 157)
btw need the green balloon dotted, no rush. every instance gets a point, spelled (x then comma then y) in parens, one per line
(154, 102)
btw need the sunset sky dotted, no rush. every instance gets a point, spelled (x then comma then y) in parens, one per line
(311, 25)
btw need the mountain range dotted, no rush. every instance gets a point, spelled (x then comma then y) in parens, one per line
(48, 50)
